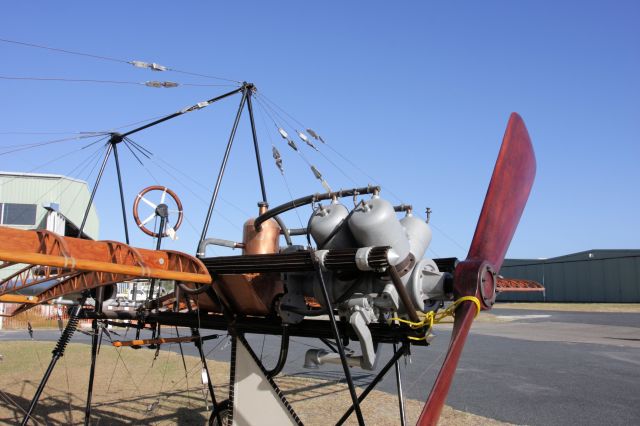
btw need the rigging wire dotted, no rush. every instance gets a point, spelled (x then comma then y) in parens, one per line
(154, 84)
(292, 144)
(96, 160)
(51, 142)
(38, 167)
(266, 110)
(345, 158)
(138, 64)
(79, 168)
(201, 185)
(77, 132)
(340, 169)
(43, 133)
(187, 187)
(284, 178)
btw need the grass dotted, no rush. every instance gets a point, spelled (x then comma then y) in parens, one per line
(132, 388)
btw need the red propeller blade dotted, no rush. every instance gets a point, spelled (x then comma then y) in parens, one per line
(503, 205)
(507, 195)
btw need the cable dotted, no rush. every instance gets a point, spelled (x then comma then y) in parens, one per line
(262, 95)
(373, 180)
(188, 188)
(349, 177)
(154, 84)
(154, 67)
(79, 168)
(37, 144)
(284, 179)
(41, 166)
(22, 43)
(76, 132)
(235, 206)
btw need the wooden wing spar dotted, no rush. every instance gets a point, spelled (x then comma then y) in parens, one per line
(79, 264)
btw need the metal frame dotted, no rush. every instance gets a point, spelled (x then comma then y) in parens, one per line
(341, 333)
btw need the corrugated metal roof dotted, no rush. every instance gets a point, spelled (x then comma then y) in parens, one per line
(41, 175)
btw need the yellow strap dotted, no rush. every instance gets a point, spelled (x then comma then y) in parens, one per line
(431, 317)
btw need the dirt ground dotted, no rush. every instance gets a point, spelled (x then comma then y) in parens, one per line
(573, 307)
(132, 388)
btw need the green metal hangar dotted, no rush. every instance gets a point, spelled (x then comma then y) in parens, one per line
(42, 201)
(589, 276)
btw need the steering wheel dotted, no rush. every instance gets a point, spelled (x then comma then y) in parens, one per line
(163, 209)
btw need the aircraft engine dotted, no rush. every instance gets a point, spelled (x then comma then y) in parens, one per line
(367, 295)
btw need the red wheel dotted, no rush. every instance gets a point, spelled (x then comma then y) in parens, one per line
(173, 208)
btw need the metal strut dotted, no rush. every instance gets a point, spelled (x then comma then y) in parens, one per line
(250, 89)
(403, 416)
(393, 361)
(197, 341)
(99, 297)
(223, 165)
(343, 357)
(57, 352)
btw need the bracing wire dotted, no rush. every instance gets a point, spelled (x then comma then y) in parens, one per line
(51, 142)
(200, 184)
(353, 164)
(177, 180)
(78, 169)
(275, 123)
(40, 166)
(95, 159)
(22, 43)
(345, 158)
(292, 144)
(152, 84)
(318, 150)
(284, 178)
(75, 132)
(111, 59)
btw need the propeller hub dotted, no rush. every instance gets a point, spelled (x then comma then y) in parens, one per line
(487, 285)
(476, 278)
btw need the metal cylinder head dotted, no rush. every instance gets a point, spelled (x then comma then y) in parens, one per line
(374, 223)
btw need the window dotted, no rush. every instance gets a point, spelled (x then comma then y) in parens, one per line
(18, 214)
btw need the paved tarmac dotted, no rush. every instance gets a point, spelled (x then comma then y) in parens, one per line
(523, 367)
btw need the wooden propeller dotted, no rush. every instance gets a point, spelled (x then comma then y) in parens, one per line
(504, 203)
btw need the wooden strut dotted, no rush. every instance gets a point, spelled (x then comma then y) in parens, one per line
(84, 264)
(18, 298)
(161, 340)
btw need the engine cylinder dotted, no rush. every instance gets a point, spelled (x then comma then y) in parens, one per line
(419, 233)
(375, 224)
(323, 224)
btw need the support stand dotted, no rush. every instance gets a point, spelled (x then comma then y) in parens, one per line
(57, 352)
(255, 398)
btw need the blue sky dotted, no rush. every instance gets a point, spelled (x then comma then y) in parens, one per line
(416, 94)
